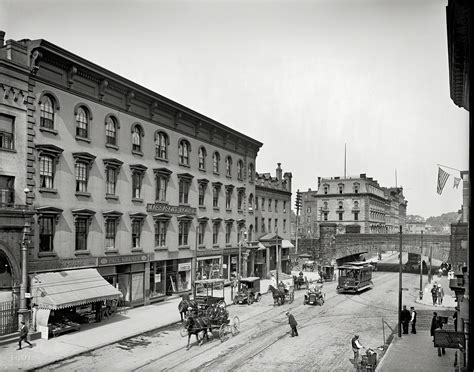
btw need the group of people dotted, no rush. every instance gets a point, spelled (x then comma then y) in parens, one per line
(407, 317)
(437, 294)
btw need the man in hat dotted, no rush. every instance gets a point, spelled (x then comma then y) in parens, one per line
(292, 322)
(356, 346)
(23, 335)
(413, 320)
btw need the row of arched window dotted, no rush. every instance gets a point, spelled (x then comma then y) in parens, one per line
(83, 117)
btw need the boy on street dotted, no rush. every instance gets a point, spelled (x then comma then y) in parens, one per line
(292, 322)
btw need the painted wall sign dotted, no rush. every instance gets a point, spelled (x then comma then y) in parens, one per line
(61, 264)
(166, 208)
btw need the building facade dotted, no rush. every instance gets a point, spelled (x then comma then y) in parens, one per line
(357, 204)
(150, 193)
(272, 220)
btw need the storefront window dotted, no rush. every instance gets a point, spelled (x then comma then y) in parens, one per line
(210, 268)
(184, 275)
(157, 279)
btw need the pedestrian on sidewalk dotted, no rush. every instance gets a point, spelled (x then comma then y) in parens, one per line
(413, 320)
(23, 335)
(356, 346)
(292, 322)
(405, 318)
(436, 323)
(434, 293)
(440, 294)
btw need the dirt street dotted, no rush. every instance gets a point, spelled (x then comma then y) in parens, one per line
(264, 342)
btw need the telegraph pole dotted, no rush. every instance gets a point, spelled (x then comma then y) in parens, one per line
(400, 287)
(421, 267)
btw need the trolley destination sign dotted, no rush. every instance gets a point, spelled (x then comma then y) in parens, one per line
(166, 208)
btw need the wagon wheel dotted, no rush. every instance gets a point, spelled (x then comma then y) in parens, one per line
(235, 327)
(222, 302)
(183, 332)
(223, 333)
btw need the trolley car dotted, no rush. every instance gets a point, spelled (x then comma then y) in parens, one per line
(355, 277)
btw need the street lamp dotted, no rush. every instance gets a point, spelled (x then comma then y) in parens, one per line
(23, 310)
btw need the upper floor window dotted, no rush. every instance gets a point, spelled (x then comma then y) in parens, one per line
(256, 207)
(201, 232)
(340, 188)
(183, 152)
(216, 188)
(7, 190)
(161, 145)
(356, 188)
(111, 127)
(240, 199)
(325, 189)
(240, 165)
(202, 193)
(183, 191)
(276, 205)
(47, 172)
(251, 172)
(202, 158)
(47, 110)
(46, 233)
(215, 233)
(228, 230)
(256, 224)
(250, 233)
(228, 166)
(284, 226)
(250, 202)
(112, 168)
(308, 209)
(83, 162)
(82, 122)
(110, 232)
(325, 216)
(216, 158)
(356, 205)
(183, 232)
(340, 205)
(162, 176)
(284, 206)
(161, 228)
(136, 233)
(263, 225)
(138, 172)
(269, 205)
(7, 132)
(137, 134)
(269, 225)
(325, 205)
(263, 203)
(228, 197)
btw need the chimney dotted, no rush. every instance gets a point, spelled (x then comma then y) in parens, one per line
(2, 39)
(363, 175)
(278, 172)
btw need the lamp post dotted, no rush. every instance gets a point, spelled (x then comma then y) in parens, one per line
(23, 310)
(421, 267)
(400, 287)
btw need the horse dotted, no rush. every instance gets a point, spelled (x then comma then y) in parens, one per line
(183, 306)
(278, 295)
(195, 325)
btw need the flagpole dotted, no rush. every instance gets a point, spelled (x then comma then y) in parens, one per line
(345, 159)
(444, 166)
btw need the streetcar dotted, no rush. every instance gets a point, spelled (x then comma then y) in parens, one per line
(355, 277)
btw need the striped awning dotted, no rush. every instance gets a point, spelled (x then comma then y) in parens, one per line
(62, 289)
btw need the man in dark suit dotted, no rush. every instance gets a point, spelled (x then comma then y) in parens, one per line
(405, 318)
(23, 335)
(413, 320)
(292, 322)
(435, 324)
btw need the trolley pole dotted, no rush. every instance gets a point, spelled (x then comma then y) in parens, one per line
(400, 287)
(421, 267)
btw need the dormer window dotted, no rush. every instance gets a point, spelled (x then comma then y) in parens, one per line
(326, 189)
(340, 188)
(356, 188)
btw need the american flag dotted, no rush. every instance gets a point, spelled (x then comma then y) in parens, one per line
(442, 178)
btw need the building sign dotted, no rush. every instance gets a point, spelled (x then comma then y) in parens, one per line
(184, 266)
(166, 208)
(126, 259)
(448, 339)
(62, 264)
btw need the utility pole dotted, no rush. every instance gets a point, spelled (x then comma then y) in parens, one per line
(400, 287)
(298, 206)
(431, 256)
(421, 267)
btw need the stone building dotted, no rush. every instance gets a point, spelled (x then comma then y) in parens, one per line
(143, 189)
(355, 204)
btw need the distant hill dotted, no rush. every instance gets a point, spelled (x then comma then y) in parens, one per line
(441, 222)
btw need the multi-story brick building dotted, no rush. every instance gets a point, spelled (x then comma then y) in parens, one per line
(272, 219)
(121, 179)
(358, 203)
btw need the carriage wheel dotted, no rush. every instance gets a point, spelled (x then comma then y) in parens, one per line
(223, 332)
(235, 327)
(259, 297)
(183, 332)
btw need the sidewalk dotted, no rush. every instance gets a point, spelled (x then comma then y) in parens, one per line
(93, 336)
(415, 353)
(448, 299)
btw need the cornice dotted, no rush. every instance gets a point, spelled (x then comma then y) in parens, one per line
(269, 189)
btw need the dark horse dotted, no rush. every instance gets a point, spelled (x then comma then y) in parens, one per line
(183, 306)
(278, 295)
(195, 325)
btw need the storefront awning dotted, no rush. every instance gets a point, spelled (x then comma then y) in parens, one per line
(62, 289)
(286, 244)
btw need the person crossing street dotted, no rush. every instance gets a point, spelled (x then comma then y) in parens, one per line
(293, 323)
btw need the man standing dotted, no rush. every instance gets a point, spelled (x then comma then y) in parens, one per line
(356, 346)
(434, 294)
(413, 320)
(292, 322)
(405, 318)
(23, 335)
(440, 294)
(435, 324)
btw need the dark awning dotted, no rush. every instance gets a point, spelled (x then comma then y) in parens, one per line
(62, 289)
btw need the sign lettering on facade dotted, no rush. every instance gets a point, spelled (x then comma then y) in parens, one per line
(51, 265)
(166, 208)
(114, 260)
(184, 266)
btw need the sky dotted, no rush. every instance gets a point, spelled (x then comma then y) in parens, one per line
(303, 77)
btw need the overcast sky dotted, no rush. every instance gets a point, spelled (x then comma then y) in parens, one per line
(303, 77)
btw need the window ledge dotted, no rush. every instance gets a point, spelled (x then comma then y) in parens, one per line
(162, 201)
(111, 197)
(161, 159)
(228, 245)
(85, 194)
(110, 146)
(48, 130)
(82, 253)
(138, 153)
(49, 191)
(201, 246)
(137, 249)
(215, 246)
(184, 247)
(202, 170)
(109, 251)
(184, 165)
(184, 204)
(251, 212)
(85, 139)
(202, 207)
(228, 210)
(161, 248)
(228, 177)
(47, 254)
(240, 211)
(216, 209)
(216, 173)
(137, 200)
(7, 150)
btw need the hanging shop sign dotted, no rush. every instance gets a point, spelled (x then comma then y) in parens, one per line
(166, 208)
(184, 266)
